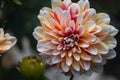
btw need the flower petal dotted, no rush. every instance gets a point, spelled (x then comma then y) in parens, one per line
(70, 53)
(97, 58)
(56, 3)
(65, 18)
(41, 49)
(89, 14)
(76, 56)
(76, 66)
(65, 67)
(91, 50)
(63, 54)
(56, 59)
(112, 54)
(47, 52)
(85, 65)
(74, 9)
(114, 31)
(69, 61)
(83, 43)
(84, 4)
(67, 2)
(102, 18)
(81, 30)
(79, 19)
(96, 30)
(85, 56)
(110, 42)
(91, 25)
(106, 29)
(102, 48)
(89, 38)
(60, 47)
(56, 52)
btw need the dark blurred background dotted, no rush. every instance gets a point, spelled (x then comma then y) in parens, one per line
(19, 17)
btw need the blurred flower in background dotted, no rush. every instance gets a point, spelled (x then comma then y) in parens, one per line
(74, 38)
(6, 41)
(15, 55)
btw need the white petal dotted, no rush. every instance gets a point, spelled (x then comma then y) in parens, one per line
(89, 14)
(84, 4)
(102, 18)
(79, 19)
(67, 2)
(56, 52)
(81, 30)
(72, 25)
(96, 30)
(114, 31)
(91, 50)
(49, 45)
(63, 54)
(111, 42)
(97, 58)
(60, 47)
(91, 25)
(41, 49)
(76, 56)
(55, 41)
(74, 49)
(112, 54)
(74, 9)
(48, 52)
(66, 17)
(68, 30)
(65, 68)
(36, 33)
(56, 59)
(58, 13)
(85, 65)
(69, 61)
(106, 29)
(70, 53)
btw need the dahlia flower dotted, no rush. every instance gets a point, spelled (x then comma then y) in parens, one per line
(6, 41)
(74, 38)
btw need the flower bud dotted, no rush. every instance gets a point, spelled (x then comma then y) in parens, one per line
(32, 67)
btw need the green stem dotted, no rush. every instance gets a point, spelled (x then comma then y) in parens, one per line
(71, 78)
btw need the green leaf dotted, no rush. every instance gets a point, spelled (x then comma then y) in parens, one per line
(18, 2)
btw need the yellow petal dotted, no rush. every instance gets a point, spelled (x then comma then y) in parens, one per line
(102, 18)
(56, 3)
(102, 48)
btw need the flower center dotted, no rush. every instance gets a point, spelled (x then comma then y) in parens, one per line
(70, 41)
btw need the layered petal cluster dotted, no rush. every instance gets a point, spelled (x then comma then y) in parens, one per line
(6, 41)
(74, 38)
